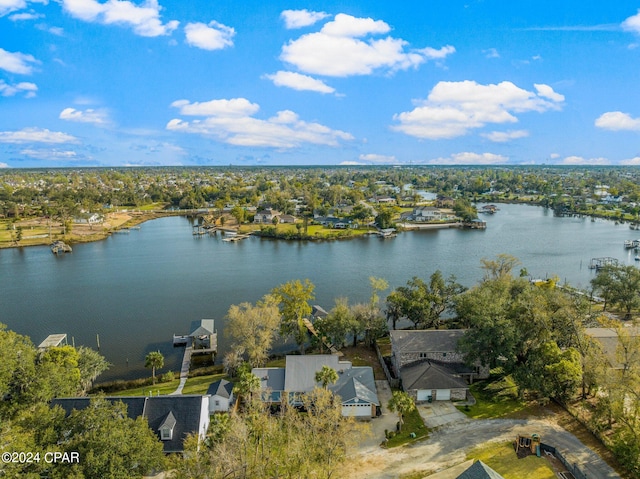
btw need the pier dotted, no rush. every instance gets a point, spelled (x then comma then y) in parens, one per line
(599, 263)
(202, 339)
(60, 247)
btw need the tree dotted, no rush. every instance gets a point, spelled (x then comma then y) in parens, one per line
(253, 328)
(154, 360)
(401, 403)
(620, 285)
(247, 384)
(294, 297)
(335, 326)
(327, 375)
(91, 365)
(384, 218)
(110, 444)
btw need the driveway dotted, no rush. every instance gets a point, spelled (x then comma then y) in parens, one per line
(449, 445)
(378, 425)
(439, 413)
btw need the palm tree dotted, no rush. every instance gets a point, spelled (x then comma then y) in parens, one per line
(402, 403)
(154, 360)
(326, 375)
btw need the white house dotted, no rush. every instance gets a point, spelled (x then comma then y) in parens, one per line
(220, 396)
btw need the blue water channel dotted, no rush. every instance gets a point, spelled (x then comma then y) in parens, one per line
(136, 290)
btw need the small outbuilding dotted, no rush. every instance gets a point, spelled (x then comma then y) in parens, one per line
(220, 396)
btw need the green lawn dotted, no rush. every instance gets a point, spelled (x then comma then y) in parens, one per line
(494, 399)
(195, 385)
(503, 459)
(412, 424)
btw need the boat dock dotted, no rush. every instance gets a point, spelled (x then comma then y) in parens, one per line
(235, 238)
(58, 247)
(599, 263)
(203, 339)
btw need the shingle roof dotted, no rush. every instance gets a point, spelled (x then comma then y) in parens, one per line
(479, 470)
(204, 327)
(437, 340)
(356, 385)
(184, 410)
(426, 374)
(221, 387)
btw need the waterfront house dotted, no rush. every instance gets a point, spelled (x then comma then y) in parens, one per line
(355, 387)
(425, 214)
(220, 396)
(266, 216)
(171, 418)
(428, 364)
(615, 343)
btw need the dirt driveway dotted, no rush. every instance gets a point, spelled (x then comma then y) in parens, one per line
(448, 446)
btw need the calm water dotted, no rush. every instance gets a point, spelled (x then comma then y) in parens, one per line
(136, 290)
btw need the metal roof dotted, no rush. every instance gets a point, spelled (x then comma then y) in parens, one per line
(53, 340)
(204, 327)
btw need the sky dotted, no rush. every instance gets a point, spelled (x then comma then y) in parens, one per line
(203, 82)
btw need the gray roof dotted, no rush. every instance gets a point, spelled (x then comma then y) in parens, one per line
(204, 327)
(479, 470)
(607, 338)
(432, 340)
(356, 385)
(221, 387)
(427, 374)
(182, 410)
(301, 370)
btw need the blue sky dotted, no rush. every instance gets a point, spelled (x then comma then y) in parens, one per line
(198, 82)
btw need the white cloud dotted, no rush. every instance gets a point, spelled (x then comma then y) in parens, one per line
(579, 160)
(504, 136)
(301, 18)
(144, 19)
(379, 159)
(16, 62)
(491, 53)
(297, 81)
(338, 50)
(546, 91)
(631, 162)
(213, 36)
(454, 108)
(95, 117)
(554, 156)
(232, 122)
(351, 163)
(617, 121)
(632, 24)
(8, 6)
(3, 165)
(18, 17)
(468, 158)
(28, 88)
(52, 154)
(35, 135)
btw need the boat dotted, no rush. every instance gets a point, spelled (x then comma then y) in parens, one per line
(637, 258)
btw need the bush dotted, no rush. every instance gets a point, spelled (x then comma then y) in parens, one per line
(167, 377)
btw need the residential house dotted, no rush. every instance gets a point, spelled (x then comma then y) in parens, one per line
(289, 219)
(428, 364)
(610, 342)
(266, 216)
(171, 418)
(468, 470)
(355, 386)
(220, 395)
(426, 214)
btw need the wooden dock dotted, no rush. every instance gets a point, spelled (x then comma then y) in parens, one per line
(599, 263)
(186, 364)
(235, 238)
(312, 330)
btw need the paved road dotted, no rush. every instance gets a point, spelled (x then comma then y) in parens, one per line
(449, 444)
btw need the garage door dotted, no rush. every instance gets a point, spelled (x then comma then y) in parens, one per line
(423, 394)
(357, 410)
(443, 394)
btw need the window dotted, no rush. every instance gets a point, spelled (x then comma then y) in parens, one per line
(166, 433)
(217, 402)
(423, 355)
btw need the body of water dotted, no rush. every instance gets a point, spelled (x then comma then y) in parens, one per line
(136, 290)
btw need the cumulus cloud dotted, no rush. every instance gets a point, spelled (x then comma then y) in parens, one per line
(211, 36)
(468, 158)
(454, 108)
(16, 62)
(297, 81)
(345, 47)
(20, 17)
(35, 135)
(29, 89)
(632, 24)
(631, 162)
(491, 53)
(233, 122)
(579, 160)
(378, 159)
(3, 165)
(144, 19)
(95, 117)
(617, 121)
(504, 136)
(301, 18)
